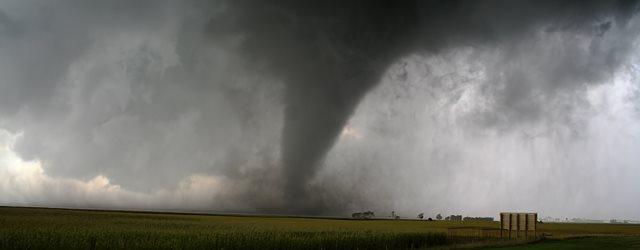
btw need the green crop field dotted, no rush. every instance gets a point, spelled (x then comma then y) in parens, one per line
(582, 243)
(43, 228)
(29, 228)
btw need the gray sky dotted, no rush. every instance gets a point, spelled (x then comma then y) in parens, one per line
(322, 108)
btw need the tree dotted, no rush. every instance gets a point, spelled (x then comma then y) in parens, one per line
(438, 217)
(363, 215)
(368, 215)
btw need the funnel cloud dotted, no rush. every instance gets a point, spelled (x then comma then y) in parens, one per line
(331, 53)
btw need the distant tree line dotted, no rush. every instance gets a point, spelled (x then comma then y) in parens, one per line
(477, 219)
(453, 218)
(371, 215)
(363, 215)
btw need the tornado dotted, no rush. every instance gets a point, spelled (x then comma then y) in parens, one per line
(329, 54)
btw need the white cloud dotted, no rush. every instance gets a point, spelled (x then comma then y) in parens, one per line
(25, 183)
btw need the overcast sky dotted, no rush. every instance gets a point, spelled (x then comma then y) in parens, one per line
(322, 108)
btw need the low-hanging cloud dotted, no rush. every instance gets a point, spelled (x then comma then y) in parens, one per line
(152, 94)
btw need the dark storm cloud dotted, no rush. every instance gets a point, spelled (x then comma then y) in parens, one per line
(331, 53)
(43, 38)
(126, 89)
(149, 93)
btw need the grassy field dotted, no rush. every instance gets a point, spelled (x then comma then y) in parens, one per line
(559, 230)
(24, 228)
(579, 243)
(40, 228)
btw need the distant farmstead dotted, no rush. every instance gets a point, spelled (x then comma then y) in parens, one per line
(363, 215)
(454, 218)
(478, 219)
